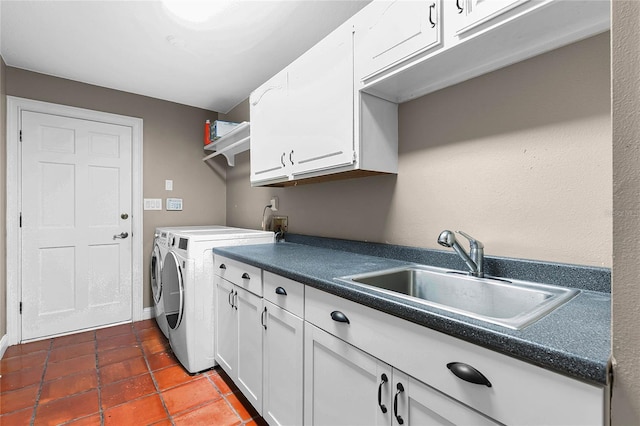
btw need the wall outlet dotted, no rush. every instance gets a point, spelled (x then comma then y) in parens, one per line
(168, 185)
(279, 224)
(274, 203)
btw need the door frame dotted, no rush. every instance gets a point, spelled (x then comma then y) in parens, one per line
(15, 107)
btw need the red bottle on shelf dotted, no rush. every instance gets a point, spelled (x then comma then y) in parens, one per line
(207, 132)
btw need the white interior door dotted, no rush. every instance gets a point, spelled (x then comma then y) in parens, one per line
(76, 198)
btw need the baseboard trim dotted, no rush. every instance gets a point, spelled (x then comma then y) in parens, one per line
(147, 313)
(4, 344)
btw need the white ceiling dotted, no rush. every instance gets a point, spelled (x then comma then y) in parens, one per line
(139, 47)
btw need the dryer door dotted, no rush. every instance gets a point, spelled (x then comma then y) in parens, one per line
(156, 271)
(173, 288)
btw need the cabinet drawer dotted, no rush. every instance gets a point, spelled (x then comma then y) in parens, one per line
(283, 292)
(243, 275)
(520, 393)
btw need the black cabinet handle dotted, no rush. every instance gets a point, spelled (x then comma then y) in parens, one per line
(230, 298)
(263, 318)
(246, 276)
(339, 317)
(432, 8)
(235, 300)
(223, 266)
(468, 373)
(460, 8)
(395, 404)
(383, 380)
(281, 291)
(291, 157)
(282, 159)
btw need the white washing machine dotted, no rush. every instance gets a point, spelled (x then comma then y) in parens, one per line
(189, 294)
(158, 253)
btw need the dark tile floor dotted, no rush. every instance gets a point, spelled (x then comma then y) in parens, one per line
(122, 375)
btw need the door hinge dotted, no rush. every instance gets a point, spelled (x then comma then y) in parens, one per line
(20, 135)
(20, 308)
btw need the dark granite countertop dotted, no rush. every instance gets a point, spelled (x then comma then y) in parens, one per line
(573, 340)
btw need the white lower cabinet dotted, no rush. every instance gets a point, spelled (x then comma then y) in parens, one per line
(341, 382)
(239, 338)
(514, 392)
(250, 329)
(304, 356)
(282, 376)
(226, 338)
(346, 386)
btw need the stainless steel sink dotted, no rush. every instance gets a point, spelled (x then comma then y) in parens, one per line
(509, 303)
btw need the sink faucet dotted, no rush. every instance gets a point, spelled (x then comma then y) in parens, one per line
(474, 259)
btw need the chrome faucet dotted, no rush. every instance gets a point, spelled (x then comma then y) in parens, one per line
(474, 259)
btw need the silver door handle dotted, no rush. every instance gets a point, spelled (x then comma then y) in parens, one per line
(122, 235)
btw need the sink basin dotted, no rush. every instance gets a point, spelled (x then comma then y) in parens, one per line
(509, 303)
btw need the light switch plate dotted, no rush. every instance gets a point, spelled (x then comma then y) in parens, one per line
(174, 204)
(153, 203)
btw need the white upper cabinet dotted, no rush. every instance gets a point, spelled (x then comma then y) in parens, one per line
(269, 133)
(332, 113)
(321, 95)
(473, 13)
(391, 32)
(476, 37)
(308, 121)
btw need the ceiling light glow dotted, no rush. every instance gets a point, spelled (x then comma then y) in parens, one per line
(195, 10)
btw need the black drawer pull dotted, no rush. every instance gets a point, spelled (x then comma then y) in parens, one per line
(383, 380)
(468, 373)
(223, 266)
(339, 317)
(281, 291)
(246, 276)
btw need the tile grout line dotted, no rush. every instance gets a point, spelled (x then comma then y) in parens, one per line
(225, 397)
(153, 377)
(100, 410)
(44, 372)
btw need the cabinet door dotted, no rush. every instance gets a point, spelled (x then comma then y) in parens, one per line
(249, 370)
(269, 111)
(321, 95)
(391, 32)
(474, 13)
(283, 355)
(226, 330)
(341, 383)
(415, 403)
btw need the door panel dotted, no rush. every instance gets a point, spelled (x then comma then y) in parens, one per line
(76, 182)
(341, 382)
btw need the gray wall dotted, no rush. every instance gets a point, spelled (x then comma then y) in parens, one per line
(172, 149)
(519, 158)
(625, 35)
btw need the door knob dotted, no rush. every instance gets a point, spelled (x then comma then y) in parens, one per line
(124, 216)
(122, 235)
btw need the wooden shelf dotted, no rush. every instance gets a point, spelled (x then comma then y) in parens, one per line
(231, 144)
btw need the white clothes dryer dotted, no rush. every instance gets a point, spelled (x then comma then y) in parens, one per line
(158, 253)
(189, 295)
